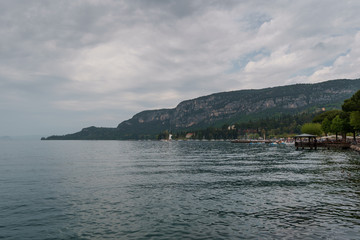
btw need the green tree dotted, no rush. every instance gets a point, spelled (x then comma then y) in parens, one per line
(326, 126)
(345, 117)
(352, 104)
(328, 114)
(312, 128)
(355, 120)
(350, 107)
(337, 125)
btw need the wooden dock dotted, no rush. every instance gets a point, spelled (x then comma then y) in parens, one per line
(304, 142)
(316, 145)
(250, 141)
(309, 141)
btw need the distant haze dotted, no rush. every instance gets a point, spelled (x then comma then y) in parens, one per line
(65, 65)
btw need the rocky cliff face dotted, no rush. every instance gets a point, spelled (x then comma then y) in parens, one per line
(233, 106)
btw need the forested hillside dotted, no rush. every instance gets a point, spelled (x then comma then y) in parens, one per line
(229, 108)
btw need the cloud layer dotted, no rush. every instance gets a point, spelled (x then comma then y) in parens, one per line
(65, 65)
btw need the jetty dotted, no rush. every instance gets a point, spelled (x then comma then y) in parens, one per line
(308, 141)
(251, 141)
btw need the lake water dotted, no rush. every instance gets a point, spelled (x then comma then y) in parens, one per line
(176, 190)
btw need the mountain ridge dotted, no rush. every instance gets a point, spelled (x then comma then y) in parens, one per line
(229, 107)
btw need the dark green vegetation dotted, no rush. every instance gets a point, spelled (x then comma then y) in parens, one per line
(283, 125)
(312, 128)
(270, 111)
(342, 121)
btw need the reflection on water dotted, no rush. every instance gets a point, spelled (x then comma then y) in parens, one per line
(176, 190)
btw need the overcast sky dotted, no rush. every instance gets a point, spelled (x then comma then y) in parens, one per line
(65, 65)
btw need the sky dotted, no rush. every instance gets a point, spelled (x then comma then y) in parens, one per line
(66, 65)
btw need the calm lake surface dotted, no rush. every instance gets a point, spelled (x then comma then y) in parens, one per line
(176, 190)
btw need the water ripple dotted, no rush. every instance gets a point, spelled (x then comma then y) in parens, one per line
(176, 190)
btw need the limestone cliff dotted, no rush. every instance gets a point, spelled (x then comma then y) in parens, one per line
(237, 105)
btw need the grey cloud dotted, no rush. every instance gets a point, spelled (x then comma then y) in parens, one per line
(97, 62)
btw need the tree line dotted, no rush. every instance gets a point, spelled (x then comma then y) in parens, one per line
(344, 121)
(270, 127)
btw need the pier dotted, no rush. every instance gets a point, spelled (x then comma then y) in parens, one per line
(308, 141)
(251, 141)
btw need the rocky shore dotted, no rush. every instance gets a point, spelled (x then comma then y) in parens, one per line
(355, 147)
